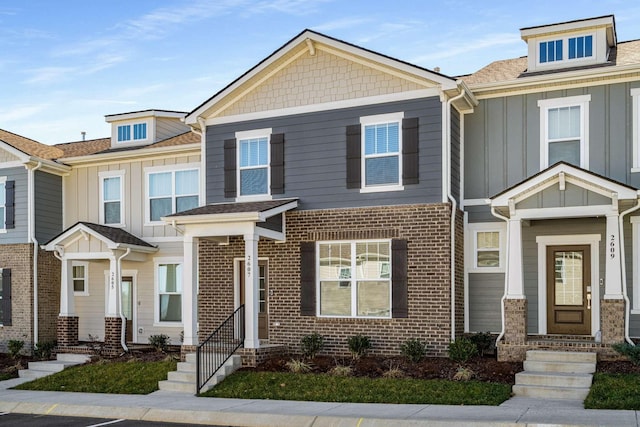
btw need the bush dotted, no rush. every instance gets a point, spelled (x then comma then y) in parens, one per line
(160, 342)
(413, 349)
(341, 371)
(298, 366)
(463, 374)
(632, 352)
(358, 345)
(393, 372)
(15, 347)
(43, 350)
(461, 350)
(312, 344)
(483, 342)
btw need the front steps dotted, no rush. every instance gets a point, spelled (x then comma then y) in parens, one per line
(48, 367)
(183, 380)
(556, 375)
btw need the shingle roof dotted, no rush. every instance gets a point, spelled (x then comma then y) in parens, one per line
(116, 235)
(242, 207)
(29, 146)
(83, 148)
(182, 139)
(626, 53)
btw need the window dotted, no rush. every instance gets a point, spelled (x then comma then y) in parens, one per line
(580, 47)
(111, 198)
(169, 292)
(139, 132)
(381, 146)
(564, 131)
(550, 51)
(253, 162)
(354, 279)
(565, 49)
(486, 247)
(635, 97)
(79, 276)
(171, 191)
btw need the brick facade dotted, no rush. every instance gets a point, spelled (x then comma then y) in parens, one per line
(49, 270)
(427, 231)
(67, 331)
(112, 334)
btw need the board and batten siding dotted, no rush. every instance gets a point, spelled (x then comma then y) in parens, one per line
(48, 206)
(19, 234)
(485, 294)
(315, 156)
(502, 138)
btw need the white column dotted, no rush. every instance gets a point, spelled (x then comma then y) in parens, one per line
(515, 281)
(112, 289)
(251, 284)
(67, 305)
(190, 291)
(613, 272)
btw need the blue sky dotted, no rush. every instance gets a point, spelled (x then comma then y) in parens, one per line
(66, 64)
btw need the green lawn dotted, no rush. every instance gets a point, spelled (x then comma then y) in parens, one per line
(327, 388)
(614, 391)
(117, 377)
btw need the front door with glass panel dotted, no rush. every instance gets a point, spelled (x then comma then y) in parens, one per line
(569, 290)
(127, 306)
(263, 300)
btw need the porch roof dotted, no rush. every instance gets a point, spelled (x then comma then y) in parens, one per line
(113, 237)
(238, 211)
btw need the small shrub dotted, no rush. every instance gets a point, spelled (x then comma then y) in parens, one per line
(160, 342)
(15, 347)
(393, 372)
(341, 371)
(359, 345)
(311, 344)
(413, 349)
(43, 350)
(483, 342)
(96, 346)
(298, 366)
(463, 374)
(461, 350)
(630, 351)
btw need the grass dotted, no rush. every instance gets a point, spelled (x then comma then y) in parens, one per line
(328, 388)
(614, 391)
(118, 377)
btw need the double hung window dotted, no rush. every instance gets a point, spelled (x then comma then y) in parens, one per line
(171, 191)
(381, 142)
(111, 196)
(169, 292)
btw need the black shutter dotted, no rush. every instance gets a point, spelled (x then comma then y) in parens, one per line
(354, 155)
(307, 278)
(399, 293)
(410, 151)
(10, 204)
(230, 168)
(6, 296)
(277, 163)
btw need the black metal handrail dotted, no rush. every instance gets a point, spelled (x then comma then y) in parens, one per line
(214, 351)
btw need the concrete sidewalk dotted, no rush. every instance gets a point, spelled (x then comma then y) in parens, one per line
(176, 407)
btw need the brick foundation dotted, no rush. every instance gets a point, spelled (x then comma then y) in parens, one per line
(252, 357)
(513, 346)
(112, 332)
(426, 228)
(67, 331)
(612, 316)
(186, 349)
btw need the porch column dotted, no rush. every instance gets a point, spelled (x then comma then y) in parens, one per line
(112, 320)
(251, 284)
(112, 290)
(67, 304)
(515, 281)
(190, 291)
(613, 266)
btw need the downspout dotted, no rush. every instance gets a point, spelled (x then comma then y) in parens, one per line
(123, 327)
(32, 238)
(506, 274)
(454, 206)
(623, 266)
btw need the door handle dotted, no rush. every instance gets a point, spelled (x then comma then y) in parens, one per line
(588, 300)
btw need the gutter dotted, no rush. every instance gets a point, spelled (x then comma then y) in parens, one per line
(623, 267)
(32, 239)
(123, 326)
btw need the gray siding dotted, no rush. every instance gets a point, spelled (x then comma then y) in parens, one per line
(485, 294)
(502, 138)
(573, 195)
(19, 234)
(455, 154)
(480, 214)
(48, 201)
(166, 128)
(315, 156)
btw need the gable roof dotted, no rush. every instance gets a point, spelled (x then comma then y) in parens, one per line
(113, 237)
(308, 39)
(29, 146)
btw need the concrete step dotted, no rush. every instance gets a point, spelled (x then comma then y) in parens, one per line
(71, 357)
(566, 367)
(186, 367)
(184, 378)
(542, 392)
(51, 365)
(561, 356)
(32, 375)
(187, 377)
(179, 386)
(557, 379)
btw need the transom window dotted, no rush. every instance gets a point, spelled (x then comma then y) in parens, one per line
(564, 131)
(169, 292)
(254, 166)
(381, 141)
(172, 191)
(139, 132)
(354, 279)
(111, 192)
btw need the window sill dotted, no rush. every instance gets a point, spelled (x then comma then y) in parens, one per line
(167, 324)
(81, 294)
(486, 270)
(119, 225)
(636, 311)
(3, 230)
(635, 169)
(381, 189)
(256, 198)
(350, 319)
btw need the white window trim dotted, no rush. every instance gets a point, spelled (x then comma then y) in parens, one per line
(84, 264)
(353, 280)
(112, 174)
(635, 99)
(166, 168)
(472, 246)
(565, 50)
(156, 291)
(375, 120)
(635, 260)
(545, 105)
(3, 181)
(132, 140)
(250, 134)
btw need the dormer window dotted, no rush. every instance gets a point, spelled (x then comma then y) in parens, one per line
(580, 47)
(551, 51)
(139, 132)
(565, 49)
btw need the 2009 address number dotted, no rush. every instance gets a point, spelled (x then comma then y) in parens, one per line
(612, 247)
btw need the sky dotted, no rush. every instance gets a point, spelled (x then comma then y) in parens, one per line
(65, 64)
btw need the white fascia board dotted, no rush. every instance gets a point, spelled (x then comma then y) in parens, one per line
(60, 240)
(50, 166)
(271, 234)
(142, 114)
(605, 21)
(213, 218)
(128, 154)
(280, 209)
(135, 248)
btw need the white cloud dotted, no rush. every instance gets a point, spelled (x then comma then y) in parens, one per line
(453, 49)
(48, 74)
(340, 24)
(22, 112)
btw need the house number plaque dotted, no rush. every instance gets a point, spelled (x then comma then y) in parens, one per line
(612, 247)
